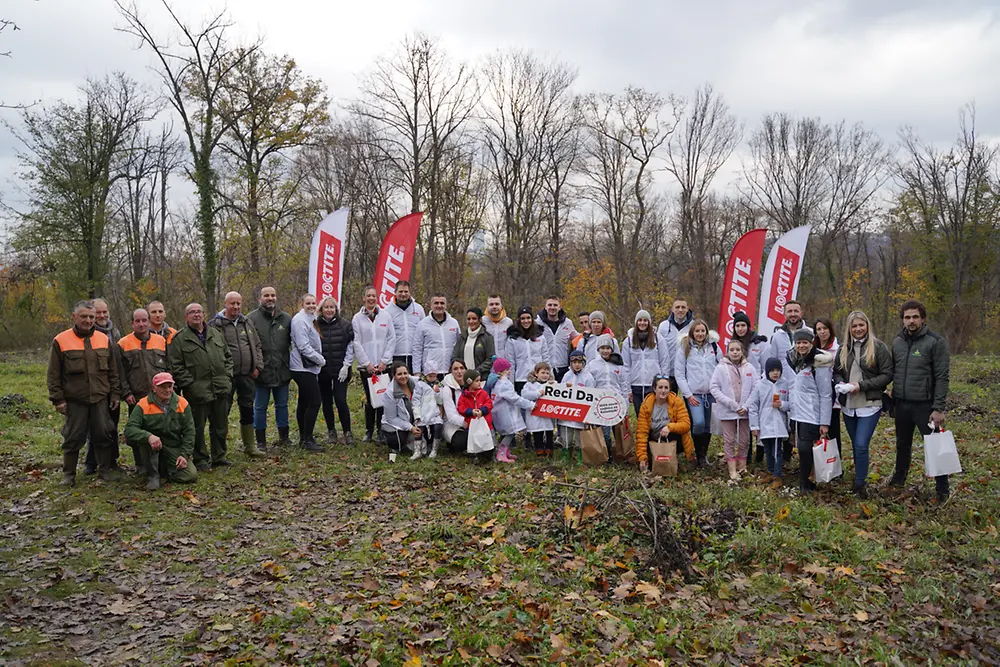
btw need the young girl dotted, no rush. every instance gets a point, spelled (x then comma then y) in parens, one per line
(576, 376)
(732, 384)
(398, 419)
(811, 398)
(698, 354)
(427, 408)
(507, 406)
(474, 401)
(540, 428)
(769, 407)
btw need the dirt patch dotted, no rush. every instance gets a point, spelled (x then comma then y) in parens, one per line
(18, 405)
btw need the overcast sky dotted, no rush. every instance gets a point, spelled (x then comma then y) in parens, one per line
(881, 62)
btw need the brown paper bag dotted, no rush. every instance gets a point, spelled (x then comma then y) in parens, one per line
(624, 447)
(595, 452)
(663, 458)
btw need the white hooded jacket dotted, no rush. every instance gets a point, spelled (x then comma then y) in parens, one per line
(642, 364)
(694, 370)
(404, 322)
(433, 344)
(374, 340)
(727, 404)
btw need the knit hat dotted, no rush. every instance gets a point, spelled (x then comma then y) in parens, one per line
(803, 334)
(470, 376)
(524, 310)
(642, 315)
(740, 316)
(577, 354)
(605, 340)
(501, 365)
(598, 315)
(477, 310)
(772, 364)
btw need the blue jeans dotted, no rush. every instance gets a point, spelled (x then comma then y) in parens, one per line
(773, 450)
(701, 415)
(261, 399)
(860, 430)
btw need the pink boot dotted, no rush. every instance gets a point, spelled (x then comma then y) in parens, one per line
(511, 456)
(506, 455)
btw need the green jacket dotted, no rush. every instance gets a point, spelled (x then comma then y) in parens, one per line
(922, 367)
(243, 341)
(203, 372)
(275, 333)
(175, 427)
(83, 368)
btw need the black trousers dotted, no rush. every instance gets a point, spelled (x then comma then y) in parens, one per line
(459, 442)
(910, 415)
(111, 419)
(243, 390)
(373, 416)
(408, 360)
(560, 372)
(307, 408)
(542, 440)
(805, 436)
(332, 391)
(397, 440)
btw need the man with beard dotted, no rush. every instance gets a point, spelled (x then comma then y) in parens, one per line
(158, 323)
(406, 314)
(559, 331)
(671, 329)
(274, 326)
(497, 323)
(83, 381)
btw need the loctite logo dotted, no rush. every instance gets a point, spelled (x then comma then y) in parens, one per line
(328, 276)
(395, 263)
(786, 268)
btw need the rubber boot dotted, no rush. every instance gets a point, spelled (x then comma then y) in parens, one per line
(70, 459)
(105, 465)
(564, 455)
(434, 450)
(153, 472)
(733, 475)
(140, 465)
(579, 456)
(260, 435)
(283, 440)
(701, 448)
(418, 448)
(249, 441)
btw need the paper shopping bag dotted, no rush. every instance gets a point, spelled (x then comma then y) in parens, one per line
(480, 436)
(941, 454)
(826, 460)
(663, 457)
(624, 447)
(595, 452)
(378, 385)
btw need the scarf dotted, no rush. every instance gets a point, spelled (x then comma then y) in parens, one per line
(498, 318)
(370, 315)
(468, 355)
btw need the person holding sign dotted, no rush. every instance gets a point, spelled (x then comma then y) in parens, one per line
(662, 416)
(373, 346)
(576, 376)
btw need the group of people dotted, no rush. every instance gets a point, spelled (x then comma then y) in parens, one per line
(427, 378)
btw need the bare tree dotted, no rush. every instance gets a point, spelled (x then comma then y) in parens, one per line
(704, 142)
(625, 134)
(194, 72)
(562, 155)
(524, 100)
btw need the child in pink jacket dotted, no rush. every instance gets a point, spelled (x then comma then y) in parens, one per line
(732, 383)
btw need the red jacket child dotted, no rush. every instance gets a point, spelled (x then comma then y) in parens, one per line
(474, 397)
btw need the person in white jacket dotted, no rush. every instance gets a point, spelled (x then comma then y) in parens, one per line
(398, 418)
(507, 407)
(576, 376)
(306, 360)
(526, 346)
(540, 428)
(769, 406)
(811, 398)
(373, 345)
(406, 314)
(454, 431)
(732, 385)
(427, 408)
(645, 355)
(698, 353)
(434, 340)
(559, 331)
(677, 324)
(497, 323)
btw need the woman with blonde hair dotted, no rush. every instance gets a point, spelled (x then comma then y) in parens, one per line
(862, 370)
(698, 353)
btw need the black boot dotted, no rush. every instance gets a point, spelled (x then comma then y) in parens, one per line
(283, 440)
(310, 445)
(70, 459)
(759, 455)
(105, 465)
(153, 471)
(260, 435)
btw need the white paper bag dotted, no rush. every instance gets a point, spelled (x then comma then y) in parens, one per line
(378, 385)
(480, 436)
(940, 454)
(826, 460)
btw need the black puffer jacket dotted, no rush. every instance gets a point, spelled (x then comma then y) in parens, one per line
(336, 335)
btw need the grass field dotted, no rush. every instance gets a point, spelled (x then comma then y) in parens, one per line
(342, 558)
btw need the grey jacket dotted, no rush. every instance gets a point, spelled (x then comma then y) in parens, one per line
(781, 343)
(397, 409)
(694, 370)
(307, 347)
(812, 388)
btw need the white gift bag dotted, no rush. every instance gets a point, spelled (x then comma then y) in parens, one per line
(480, 436)
(940, 454)
(826, 460)
(378, 385)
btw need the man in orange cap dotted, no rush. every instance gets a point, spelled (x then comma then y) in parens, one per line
(162, 427)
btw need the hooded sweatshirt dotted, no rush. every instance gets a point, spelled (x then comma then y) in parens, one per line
(507, 407)
(374, 338)
(405, 319)
(525, 350)
(693, 368)
(772, 422)
(781, 343)
(812, 386)
(731, 387)
(671, 330)
(643, 363)
(610, 374)
(498, 329)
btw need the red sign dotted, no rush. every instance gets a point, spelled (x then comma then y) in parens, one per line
(395, 258)
(739, 288)
(328, 275)
(589, 405)
(785, 271)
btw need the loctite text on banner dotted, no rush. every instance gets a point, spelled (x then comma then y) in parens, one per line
(781, 278)
(395, 259)
(326, 258)
(739, 289)
(585, 405)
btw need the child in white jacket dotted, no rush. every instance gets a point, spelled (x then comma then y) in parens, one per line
(769, 406)
(427, 410)
(507, 406)
(540, 428)
(732, 384)
(576, 376)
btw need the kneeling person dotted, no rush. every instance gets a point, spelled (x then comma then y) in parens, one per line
(162, 427)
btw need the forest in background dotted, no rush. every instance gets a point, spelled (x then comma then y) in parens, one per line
(530, 186)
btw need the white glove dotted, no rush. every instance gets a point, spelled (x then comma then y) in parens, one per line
(343, 374)
(844, 387)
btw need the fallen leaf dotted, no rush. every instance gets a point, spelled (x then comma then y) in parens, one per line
(861, 615)
(651, 591)
(414, 661)
(560, 648)
(120, 607)
(191, 497)
(75, 512)
(843, 569)
(222, 627)
(494, 650)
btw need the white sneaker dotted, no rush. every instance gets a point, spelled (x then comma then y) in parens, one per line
(434, 450)
(392, 457)
(418, 450)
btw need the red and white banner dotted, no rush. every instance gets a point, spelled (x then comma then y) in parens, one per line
(739, 289)
(781, 278)
(585, 405)
(326, 259)
(396, 256)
